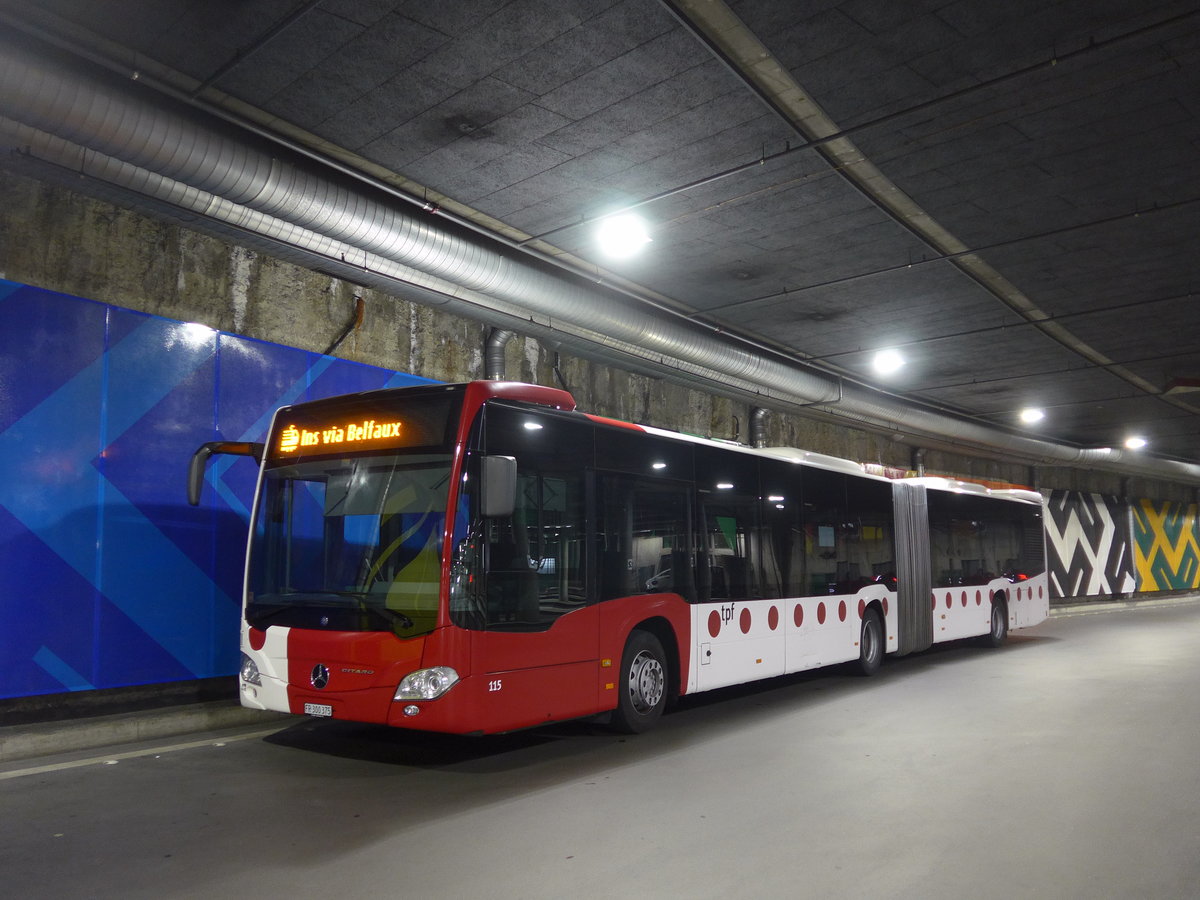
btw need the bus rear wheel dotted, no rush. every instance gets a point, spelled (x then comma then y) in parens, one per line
(643, 684)
(870, 643)
(999, 629)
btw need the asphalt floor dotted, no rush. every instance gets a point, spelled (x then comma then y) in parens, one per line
(40, 739)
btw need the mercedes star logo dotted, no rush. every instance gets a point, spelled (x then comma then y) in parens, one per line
(320, 676)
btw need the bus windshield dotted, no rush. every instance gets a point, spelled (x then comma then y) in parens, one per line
(350, 544)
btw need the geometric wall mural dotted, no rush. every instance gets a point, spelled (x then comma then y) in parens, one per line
(1165, 538)
(1087, 545)
(108, 577)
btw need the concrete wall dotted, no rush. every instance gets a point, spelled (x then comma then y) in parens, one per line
(57, 239)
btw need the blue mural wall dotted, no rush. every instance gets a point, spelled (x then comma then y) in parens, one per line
(107, 577)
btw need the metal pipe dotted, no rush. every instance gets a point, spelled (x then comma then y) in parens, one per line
(493, 353)
(758, 426)
(918, 461)
(355, 322)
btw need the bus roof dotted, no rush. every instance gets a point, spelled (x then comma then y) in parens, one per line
(558, 399)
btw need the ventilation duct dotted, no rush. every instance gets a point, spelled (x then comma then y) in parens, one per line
(175, 157)
(493, 353)
(758, 426)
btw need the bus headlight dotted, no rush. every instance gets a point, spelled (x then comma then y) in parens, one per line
(249, 672)
(426, 684)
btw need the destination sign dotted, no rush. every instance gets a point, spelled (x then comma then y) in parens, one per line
(292, 438)
(352, 425)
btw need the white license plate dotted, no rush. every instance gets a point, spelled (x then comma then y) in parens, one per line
(317, 709)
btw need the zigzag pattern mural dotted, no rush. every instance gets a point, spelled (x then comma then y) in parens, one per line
(1087, 545)
(1165, 537)
(107, 577)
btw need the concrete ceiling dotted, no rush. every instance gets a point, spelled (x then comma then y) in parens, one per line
(1009, 193)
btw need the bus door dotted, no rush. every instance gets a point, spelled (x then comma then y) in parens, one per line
(535, 639)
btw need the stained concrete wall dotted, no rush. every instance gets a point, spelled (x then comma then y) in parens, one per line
(57, 239)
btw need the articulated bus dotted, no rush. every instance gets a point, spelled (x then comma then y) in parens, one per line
(481, 558)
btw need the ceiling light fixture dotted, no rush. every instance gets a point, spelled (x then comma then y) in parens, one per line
(622, 236)
(1135, 443)
(1032, 414)
(887, 362)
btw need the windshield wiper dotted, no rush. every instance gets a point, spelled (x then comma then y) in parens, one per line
(392, 616)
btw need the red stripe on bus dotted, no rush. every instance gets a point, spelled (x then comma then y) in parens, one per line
(601, 420)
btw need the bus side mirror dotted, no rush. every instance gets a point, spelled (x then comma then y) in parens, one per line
(498, 496)
(196, 467)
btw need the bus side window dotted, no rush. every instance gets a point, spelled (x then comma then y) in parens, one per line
(826, 546)
(663, 558)
(727, 484)
(871, 553)
(974, 539)
(645, 545)
(782, 536)
(729, 530)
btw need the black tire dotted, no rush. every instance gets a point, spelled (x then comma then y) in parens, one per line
(643, 684)
(871, 642)
(999, 629)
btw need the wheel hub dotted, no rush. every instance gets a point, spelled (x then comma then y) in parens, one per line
(646, 681)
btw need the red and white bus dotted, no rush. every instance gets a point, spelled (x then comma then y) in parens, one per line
(480, 558)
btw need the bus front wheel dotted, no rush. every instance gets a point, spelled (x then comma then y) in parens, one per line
(643, 684)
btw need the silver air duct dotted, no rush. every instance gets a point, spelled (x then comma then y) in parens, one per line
(127, 137)
(493, 353)
(758, 426)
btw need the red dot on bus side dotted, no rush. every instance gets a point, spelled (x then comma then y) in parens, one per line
(964, 598)
(949, 600)
(885, 606)
(842, 611)
(1040, 594)
(820, 613)
(991, 594)
(744, 621)
(862, 608)
(714, 623)
(798, 615)
(773, 618)
(979, 598)
(933, 602)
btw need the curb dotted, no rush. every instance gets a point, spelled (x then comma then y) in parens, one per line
(1083, 609)
(69, 735)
